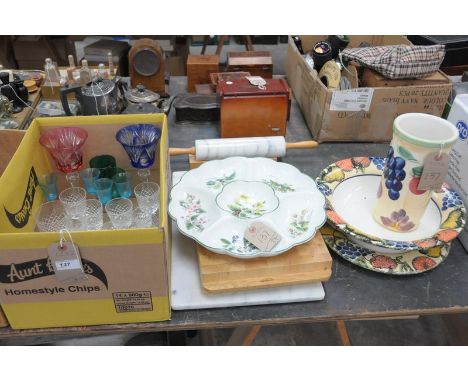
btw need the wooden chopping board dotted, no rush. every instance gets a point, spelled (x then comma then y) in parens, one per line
(306, 263)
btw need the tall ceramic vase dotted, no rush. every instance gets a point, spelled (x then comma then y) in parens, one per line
(400, 203)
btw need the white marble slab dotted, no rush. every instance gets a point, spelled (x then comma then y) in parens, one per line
(187, 292)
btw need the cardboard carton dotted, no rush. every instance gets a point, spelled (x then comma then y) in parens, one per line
(127, 270)
(372, 121)
(458, 167)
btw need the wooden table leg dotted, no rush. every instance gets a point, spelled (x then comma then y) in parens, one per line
(248, 43)
(343, 333)
(222, 39)
(206, 40)
(244, 336)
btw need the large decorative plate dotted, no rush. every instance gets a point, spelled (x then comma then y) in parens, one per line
(350, 187)
(215, 203)
(408, 263)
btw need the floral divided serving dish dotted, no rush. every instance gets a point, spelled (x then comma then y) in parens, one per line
(350, 187)
(215, 204)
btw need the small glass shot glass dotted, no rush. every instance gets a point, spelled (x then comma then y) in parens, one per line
(89, 177)
(74, 201)
(104, 190)
(147, 194)
(93, 215)
(48, 184)
(120, 212)
(123, 184)
(141, 219)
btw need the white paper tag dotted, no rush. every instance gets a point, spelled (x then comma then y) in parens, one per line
(66, 261)
(434, 171)
(352, 100)
(257, 81)
(262, 236)
(67, 264)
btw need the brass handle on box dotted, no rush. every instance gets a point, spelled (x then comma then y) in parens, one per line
(302, 145)
(181, 151)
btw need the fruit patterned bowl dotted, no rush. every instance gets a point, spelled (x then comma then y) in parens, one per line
(407, 263)
(350, 187)
(215, 204)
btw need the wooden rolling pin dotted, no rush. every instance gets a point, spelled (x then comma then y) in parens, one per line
(208, 149)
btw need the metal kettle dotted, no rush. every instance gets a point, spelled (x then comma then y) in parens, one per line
(98, 97)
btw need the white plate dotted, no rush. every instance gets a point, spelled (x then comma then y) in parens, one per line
(215, 203)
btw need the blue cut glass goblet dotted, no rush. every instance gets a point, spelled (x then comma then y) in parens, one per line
(139, 141)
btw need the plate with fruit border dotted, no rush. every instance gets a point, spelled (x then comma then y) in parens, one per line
(449, 208)
(215, 203)
(407, 263)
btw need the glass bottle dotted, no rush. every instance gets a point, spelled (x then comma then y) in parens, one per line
(111, 64)
(102, 71)
(85, 73)
(71, 62)
(51, 72)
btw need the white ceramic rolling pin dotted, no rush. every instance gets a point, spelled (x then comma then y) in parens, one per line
(208, 149)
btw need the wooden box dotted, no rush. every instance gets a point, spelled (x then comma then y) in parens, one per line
(199, 69)
(248, 111)
(226, 76)
(256, 63)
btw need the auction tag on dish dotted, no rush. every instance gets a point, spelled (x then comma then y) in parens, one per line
(66, 261)
(352, 100)
(434, 172)
(262, 236)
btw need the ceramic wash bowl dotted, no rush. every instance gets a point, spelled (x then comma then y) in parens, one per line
(407, 263)
(215, 204)
(350, 187)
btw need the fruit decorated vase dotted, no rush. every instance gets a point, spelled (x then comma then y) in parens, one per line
(400, 203)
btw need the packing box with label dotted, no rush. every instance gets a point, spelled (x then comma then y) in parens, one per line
(364, 114)
(9, 142)
(458, 167)
(126, 270)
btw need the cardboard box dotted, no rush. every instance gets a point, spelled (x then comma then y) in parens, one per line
(9, 142)
(458, 167)
(373, 79)
(127, 270)
(369, 121)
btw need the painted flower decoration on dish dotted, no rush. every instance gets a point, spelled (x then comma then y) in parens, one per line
(193, 213)
(452, 212)
(239, 245)
(217, 183)
(247, 208)
(299, 223)
(280, 187)
(398, 221)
